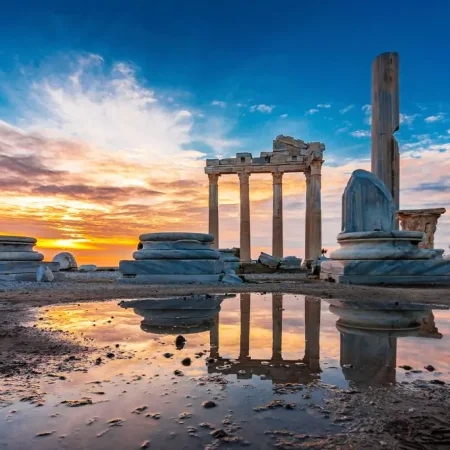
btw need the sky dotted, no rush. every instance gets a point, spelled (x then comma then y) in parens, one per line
(108, 111)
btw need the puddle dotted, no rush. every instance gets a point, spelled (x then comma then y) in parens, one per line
(264, 363)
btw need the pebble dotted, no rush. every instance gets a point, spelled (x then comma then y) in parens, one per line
(180, 341)
(186, 362)
(168, 355)
(145, 444)
(209, 404)
(178, 373)
(219, 434)
(430, 368)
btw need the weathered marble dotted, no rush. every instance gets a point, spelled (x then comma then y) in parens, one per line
(87, 268)
(43, 273)
(172, 267)
(182, 244)
(170, 279)
(176, 236)
(66, 261)
(16, 267)
(424, 220)
(268, 260)
(21, 256)
(290, 263)
(176, 254)
(231, 261)
(366, 204)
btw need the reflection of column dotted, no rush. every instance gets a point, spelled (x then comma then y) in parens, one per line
(214, 208)
(277, 327)
(369, 359)
(245, 216)
(214, 338)
(312, 332)
(277, 221)
(245, 327)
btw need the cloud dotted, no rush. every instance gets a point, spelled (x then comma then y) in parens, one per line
(367, 109)
(407, 120)
(346, 109)
(283, 116)
(439, 117)
(219, 103)
(324, 105)
(311, 111)
(267, 109)
(346, 126)
(360, 133)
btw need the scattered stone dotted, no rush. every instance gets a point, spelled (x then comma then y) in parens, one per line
(168, 355)
(290, 263)
(430, 368)
(110, 355)
(184, 415)
(269, 260)
(76, 403)
(178, 373)
(87, 268)
(155, 416)
(45, 433)
(406, 367)
(140, 409)
(91, 421)
(219, 434)
(145, 444)
(66, 261)
(44, 274)
(116, 422)
(180, 341)
(209, 404)
(440, 382)
(186, 362)
(229, 278)
(207, 425)
(98, 361)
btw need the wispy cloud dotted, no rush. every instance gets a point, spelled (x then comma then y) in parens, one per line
(408, 119)
(311, 111)
(346, 126)
(219, 103)
(346, 109)
(267, 109)
(324, 105)
(283, 116)
(360, 133)
(367, 110)
(436, 118)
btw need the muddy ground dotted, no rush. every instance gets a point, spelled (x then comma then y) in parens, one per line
(410, 416)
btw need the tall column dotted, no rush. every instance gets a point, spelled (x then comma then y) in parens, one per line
(214, 208)
(277, 222)
(277, 327)
(312, 332)
(308, 257)
(244, 353)
(214, 338)
(245, 216)
(313, 232)
(386, 121)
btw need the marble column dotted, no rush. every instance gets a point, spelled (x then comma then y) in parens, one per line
(424, 220)
(244, 353)
(214, 208)
(245, 216)
(277, 221)
(385, 122)
(277, 327)
(313, 229)
(312, 332)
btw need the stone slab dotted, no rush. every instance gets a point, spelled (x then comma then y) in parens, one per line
(201, 237)
(434, 271)
(176, 254)
(182, 244)
(171, 279)
(172, 267)
(15, 267)
(21, 256)
(58, 276)
(196, 302)
(18, 239)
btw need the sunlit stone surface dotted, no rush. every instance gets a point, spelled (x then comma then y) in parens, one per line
(18, 260)
(371, 250)
(167, 258)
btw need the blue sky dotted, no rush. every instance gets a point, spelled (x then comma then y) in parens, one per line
(214, 78)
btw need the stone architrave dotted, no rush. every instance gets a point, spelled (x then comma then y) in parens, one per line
(424, 220)
(385, 122)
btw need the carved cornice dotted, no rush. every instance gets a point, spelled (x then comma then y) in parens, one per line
(277, 177)
(243, 177)
(213, 178)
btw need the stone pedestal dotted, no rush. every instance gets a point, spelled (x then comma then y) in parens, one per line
(167, 258)
(424, 220)
(228, 256)
(18, 260)
(371, 250)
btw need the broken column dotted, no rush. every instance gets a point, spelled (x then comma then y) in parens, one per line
(385, 122)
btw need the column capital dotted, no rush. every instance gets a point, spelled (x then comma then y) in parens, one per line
(316, 167)
(243, 177)
(307, 173)
(213, 178)
(277, 177)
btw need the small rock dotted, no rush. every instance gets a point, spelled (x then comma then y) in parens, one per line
(209, 404)
(87, 268)
(406, 367)
(110, 355)
(178, 373)
(140, 409)
(430, 368)
(440, 382)
(45, 433)
(66, 261)
(145, 444)
(116, 422)
(219, 434)
(186, 362)
(168, 355)
(180, 341)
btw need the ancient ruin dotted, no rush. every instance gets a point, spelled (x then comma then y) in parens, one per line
(288, 155)
(424, 220)
(371, 250)
(18, 261)
(167, 258)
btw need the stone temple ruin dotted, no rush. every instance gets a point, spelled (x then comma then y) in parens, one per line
(288, 155)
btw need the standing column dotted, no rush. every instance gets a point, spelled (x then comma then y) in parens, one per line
(244, 353)
(214, 208)
(308, 257)
(313, 213)
(277, 222)
(385, 122)
(245, 216)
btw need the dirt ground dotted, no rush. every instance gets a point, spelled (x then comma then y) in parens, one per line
(94, 289)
